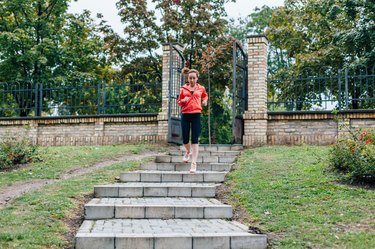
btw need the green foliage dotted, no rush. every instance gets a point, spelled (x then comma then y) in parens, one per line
(194, 23)
(319, 38)
(17, 149)
(136, 87)
(325, 33)
(142, 34)
(354, 156)
(221, 120)
(40, 42)
(140, 70)
(258, 23)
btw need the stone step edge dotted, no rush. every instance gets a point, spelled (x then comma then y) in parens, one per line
(224, 167)
(158, 190)
(177, 160)
(222, 241)
(147, 211)
(172, 176)
(88, 225)
(200, 157)
(217, 147)
(203, 153)
(169, 241)
(172, 172)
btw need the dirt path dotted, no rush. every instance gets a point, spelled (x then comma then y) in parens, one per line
(19, 188)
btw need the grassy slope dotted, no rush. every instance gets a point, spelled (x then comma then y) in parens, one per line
(288, 192)
(58, 160)
(38, 219)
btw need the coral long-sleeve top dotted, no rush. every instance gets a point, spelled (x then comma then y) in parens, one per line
(194, 104)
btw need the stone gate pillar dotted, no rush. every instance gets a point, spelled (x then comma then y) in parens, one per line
(163, 115)
(255, 118)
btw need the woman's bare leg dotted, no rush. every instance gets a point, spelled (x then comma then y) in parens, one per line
(187, 147)
(195, 150)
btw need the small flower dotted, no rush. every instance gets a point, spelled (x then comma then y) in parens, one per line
(362, 135)
(369, 141)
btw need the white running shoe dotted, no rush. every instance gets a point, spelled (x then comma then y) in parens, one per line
(186, 157)
(193, 168)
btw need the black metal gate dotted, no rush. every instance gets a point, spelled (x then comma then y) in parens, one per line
(239, 91)
(176, 80)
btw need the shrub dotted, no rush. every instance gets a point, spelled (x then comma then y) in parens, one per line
(355, 156)
(16, 149)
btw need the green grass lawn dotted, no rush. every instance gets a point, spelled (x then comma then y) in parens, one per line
(59, 160)
(289, 194)
(40, 219)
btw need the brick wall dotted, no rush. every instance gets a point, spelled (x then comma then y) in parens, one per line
(103, 130)
(314, 128)
(361, 123)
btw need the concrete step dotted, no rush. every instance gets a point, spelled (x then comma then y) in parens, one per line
(172, 176)
(166, 234)
(186, 166)
(206, 153)
(170, 189)
(157, 208)
(200, 159)
(217, 147)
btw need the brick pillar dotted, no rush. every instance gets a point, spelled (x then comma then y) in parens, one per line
(163, 115)
(255, 118)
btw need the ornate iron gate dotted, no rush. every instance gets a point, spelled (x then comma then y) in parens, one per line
(176, 80)
(239, 91)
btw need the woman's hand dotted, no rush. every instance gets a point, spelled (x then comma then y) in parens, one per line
(204, 102)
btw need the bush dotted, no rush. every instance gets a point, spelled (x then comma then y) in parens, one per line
(355, 156)
(16, 149)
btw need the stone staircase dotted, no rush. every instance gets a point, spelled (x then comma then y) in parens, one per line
(162, 206)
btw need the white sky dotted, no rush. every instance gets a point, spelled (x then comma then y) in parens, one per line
(241, 8)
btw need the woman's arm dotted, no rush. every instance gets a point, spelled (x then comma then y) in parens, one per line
(182, 99)
(204, 97)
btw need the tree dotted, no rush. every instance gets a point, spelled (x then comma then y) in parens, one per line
(40, 42)
(258, 23)
(142, 35)
(29, 30)
(333, 32)
(191, 22)
(324, 36)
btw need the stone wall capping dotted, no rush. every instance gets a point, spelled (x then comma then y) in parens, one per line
(321, 115)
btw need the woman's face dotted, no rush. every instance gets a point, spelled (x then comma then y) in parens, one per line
(192, 78)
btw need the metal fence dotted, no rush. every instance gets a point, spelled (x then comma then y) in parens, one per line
(33, 99)
(323, 89)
